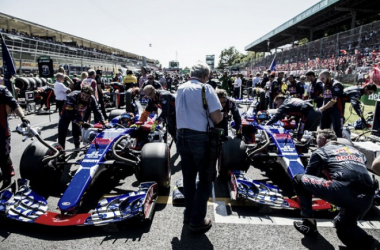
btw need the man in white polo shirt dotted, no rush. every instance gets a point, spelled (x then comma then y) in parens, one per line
(193, 142)
(60, 92)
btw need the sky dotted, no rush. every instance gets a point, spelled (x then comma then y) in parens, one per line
(182, 30)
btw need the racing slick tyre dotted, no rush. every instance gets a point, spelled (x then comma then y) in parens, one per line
(22, 83)
(32, 83)
(128, 100)
(155, 164)
(44, 81)
(38, 82)
(31, 166)
(115, 113)
(233, 157)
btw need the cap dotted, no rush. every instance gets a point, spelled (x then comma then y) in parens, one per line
(99, 72)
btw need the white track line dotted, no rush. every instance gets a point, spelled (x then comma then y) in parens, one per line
(221, 216)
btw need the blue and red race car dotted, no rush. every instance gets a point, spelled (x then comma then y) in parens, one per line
(140, 148)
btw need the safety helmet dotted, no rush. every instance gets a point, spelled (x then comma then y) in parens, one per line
(262, 116)
(127, 119)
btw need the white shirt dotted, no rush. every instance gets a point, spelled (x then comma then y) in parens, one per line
(60, 91)
(189, 105)
(237, 83)
(255, 81)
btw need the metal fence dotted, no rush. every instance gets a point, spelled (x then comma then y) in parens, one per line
(344, 54)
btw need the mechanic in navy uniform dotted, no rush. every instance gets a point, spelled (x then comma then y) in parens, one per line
(333, 103)
(309, 116)
(294, 87)
(316, 89)
(47, 96)
(100, 88)
(346, 183)
(6, 165)
(193, 143)
(165, 101)
(74, 111)
(353, 95)
(151, 81)
(228, 104)
(169, 81)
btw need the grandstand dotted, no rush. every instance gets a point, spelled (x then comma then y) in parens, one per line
(343, 37)
(27, 41)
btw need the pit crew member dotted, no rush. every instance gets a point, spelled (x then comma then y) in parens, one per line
(166, 102)
(347, 185)
(309, 116)
(333, 104)
(100, 87)
(353, 95)
(6, 165)
(316, 89)
(46, 94)
(74, 110)
(152, 82)
(294, 87)
(228, 105)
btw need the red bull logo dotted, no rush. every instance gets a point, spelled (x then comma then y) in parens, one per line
(350, 155)
(346, 150)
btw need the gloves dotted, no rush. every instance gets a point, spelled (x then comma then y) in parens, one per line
(25, 121)
(364, 123)
(239, 131)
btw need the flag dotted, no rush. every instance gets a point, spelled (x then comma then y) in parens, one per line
(272, 67)
(8, 66)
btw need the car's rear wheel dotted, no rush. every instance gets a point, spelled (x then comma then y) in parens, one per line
(31, 166)
(155, 164)
(233, 157)
(115, 113)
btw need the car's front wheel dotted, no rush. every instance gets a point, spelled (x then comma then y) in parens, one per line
(155, 164)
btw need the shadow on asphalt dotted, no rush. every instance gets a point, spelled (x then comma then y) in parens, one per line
(316, 244)
(190, 240)
(130, 230)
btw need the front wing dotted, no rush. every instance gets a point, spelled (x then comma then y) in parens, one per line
(27, 206)
(263, 193)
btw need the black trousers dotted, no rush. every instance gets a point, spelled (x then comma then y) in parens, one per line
(5, 163)
(60, 104)
(172, 126)
(332, 116)
(310, 121)
(63, 125)
(102, 107)
(353, 204)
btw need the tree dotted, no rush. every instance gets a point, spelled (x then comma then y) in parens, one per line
(249, 57)
(229, 57)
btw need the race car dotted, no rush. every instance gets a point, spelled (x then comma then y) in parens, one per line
(107, 149)
(266, 147)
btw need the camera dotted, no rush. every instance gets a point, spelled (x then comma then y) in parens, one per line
(216, 135)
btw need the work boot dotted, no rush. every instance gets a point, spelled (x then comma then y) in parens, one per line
(306, 228)
(203, 227)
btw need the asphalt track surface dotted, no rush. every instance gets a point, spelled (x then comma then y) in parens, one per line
(236, 225)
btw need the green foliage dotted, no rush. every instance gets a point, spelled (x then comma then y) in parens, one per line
(229, 57)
